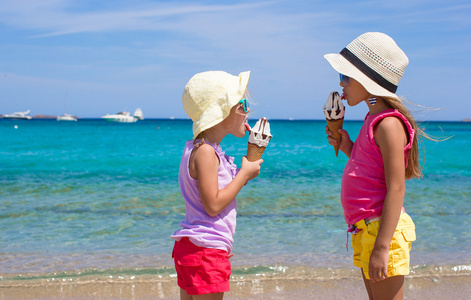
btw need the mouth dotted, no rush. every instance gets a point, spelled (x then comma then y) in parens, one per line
(247, 126)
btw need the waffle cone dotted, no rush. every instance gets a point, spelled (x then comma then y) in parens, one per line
(254, 152)
(334, 126)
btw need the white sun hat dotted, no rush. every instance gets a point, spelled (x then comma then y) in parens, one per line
(374, 60)
(209, 97)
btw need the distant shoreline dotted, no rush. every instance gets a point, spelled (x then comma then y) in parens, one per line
(47, 117)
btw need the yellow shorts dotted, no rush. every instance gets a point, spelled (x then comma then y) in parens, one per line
(399, 249)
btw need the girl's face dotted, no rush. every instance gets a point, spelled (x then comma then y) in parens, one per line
(354, 93)
(235, 123)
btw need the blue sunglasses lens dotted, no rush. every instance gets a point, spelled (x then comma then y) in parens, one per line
(245, 104)
(345, 79)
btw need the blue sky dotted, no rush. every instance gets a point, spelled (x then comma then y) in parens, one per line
(89, 58)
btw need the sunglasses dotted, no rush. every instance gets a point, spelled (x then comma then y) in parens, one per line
(345, 79)
(245, 104)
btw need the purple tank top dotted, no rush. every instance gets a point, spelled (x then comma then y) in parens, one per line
(202, 229)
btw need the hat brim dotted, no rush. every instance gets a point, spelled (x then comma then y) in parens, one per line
(343, 66)
(221, 108)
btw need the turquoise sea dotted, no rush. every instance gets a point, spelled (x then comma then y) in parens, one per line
(99, 199)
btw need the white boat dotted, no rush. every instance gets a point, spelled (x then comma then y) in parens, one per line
(19, 116)
(67, 117)
(125, 117)
(138, 114)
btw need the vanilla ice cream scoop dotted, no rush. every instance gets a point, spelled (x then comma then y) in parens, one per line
(333, 107)
(260, 134)
(334, 112)
(258, 139)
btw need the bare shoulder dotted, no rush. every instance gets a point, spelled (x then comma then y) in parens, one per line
(205, 153)
(390, 129)
(201, 158)
(390, 125)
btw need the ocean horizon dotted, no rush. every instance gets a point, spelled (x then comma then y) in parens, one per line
(53, 117)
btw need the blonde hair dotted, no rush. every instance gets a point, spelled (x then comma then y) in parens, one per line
(200, 136)
(413, 168)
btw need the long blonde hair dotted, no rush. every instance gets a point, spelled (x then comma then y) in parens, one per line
(413, 168)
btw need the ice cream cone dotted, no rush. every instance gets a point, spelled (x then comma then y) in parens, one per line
(254, 152)
(334, 126)
(258, 139)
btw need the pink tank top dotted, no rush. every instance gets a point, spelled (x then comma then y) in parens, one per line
(363, 182)
(202, 229)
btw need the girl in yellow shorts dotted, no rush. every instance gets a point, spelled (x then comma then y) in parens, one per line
(383, 156)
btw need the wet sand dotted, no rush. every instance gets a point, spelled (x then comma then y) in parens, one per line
(423, 287)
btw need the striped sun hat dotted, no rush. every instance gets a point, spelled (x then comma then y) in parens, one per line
(374, 60)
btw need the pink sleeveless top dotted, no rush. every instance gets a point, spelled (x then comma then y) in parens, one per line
(363, 182)
(202, 229)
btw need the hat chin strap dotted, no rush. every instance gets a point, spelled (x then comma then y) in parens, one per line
(365, 69)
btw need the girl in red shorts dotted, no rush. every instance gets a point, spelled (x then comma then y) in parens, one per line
(209, 181)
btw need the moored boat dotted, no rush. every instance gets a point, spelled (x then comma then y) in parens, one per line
(125, 117)
(19, 116)
(67, 117)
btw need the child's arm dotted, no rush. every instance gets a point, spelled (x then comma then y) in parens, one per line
(391, 139)
(215, 200)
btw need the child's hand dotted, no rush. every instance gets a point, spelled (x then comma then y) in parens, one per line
(346, 143)
(249, 169)
(378, 266)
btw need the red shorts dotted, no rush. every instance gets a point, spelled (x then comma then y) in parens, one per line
(201, 270)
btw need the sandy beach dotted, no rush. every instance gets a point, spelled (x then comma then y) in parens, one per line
(423, 287)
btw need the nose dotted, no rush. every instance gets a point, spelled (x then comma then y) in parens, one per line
(341, 83)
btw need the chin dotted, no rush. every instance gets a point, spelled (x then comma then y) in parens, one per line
(239, 134)
(351, 103)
